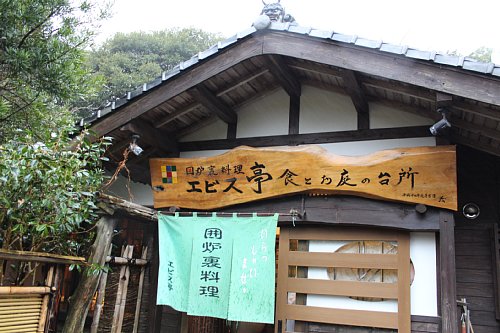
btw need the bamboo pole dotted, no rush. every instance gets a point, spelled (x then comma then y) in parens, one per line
(121, 294)
(45, 301)
(24, 290)
(101, 291)
(139, 291)
(126, 261)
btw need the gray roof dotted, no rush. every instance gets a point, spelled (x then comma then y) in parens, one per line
(461, 62)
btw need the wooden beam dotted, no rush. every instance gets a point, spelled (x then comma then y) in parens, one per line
(397, 87)
(241, 81)
(420, 73)
(130, 208)
(282, 73)
(443, 100)
(309, 138)
(476, 110)
(447, 273)
(225, 59)
(459, 139)
(40, 257)
(204, 96)
(294, 115)
(353, 88)
(176, 114)
(385, 65)
(150, 135)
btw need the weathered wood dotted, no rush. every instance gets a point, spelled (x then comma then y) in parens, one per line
(139, 292)
(126, 261)
(425, 175)
(121, 293)
(45, 302)
(130, 208)
(81, 298)
(294, 115)
(176, 114)
(309, 138)
(353, 88)
(150, 135)
(447, 273)
(403, 69)
(343, 210)
(281, 72)
(154, 311)
(40, 257)
(101, 292)
(215, 105)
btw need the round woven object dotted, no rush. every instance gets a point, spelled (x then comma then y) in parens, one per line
(367, 274)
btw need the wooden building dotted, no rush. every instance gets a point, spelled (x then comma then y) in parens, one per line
(289, 85)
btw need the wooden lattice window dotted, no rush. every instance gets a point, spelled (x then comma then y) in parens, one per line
(382, 275)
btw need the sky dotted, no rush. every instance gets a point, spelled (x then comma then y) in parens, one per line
(432, 25)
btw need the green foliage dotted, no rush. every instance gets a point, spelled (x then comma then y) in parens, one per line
(126, 61)
(48, 192)
(42, 60)
(482, 54)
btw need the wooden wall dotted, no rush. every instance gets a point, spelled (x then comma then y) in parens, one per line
(479, 182)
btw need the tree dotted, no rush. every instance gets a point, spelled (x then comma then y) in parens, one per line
(482, 54)
(42, 60)
(48, 194)
(126, 61)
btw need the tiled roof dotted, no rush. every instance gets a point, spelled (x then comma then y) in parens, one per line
(431, 56)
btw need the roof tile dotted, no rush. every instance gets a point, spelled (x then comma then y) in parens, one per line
(496, 71)
(227, 42)
(208, 52)
(393, 48)
(344, 38)
(321, 33)
(476, 66)
(246, 32)
(447, 59)
(418, 54)
(189, 63)
(372, 44)
(299, 29)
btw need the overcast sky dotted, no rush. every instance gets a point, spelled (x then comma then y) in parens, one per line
(437, 25)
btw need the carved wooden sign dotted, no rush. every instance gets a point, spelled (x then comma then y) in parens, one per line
(425, 175)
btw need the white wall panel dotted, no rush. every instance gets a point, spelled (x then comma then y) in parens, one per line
(266, 116)
(382, 116)
(325, 111)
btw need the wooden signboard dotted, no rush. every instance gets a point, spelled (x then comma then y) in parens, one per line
(425, 175)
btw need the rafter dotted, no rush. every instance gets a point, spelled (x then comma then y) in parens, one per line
(282, 73)
(151, 135)
(353, 88)
(204, 96)
(176, 114)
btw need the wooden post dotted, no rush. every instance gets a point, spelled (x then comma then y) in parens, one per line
(80, 301)
(139, 292)
(100, 297)
(45, 301)
(121, 293)
(447, 273)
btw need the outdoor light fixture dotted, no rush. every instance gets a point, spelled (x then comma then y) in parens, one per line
(471, 210)
(134, 147)
(442, 124)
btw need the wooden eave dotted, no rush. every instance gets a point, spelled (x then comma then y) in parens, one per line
(263, 61)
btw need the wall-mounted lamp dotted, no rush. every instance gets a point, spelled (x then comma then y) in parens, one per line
(471, 210)
(134, 147)
(442, 124)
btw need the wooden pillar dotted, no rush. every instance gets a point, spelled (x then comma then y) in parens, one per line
(155, 311)
(447, 273)
(81, 298)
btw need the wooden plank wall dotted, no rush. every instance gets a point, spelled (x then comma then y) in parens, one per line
(479, 182)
